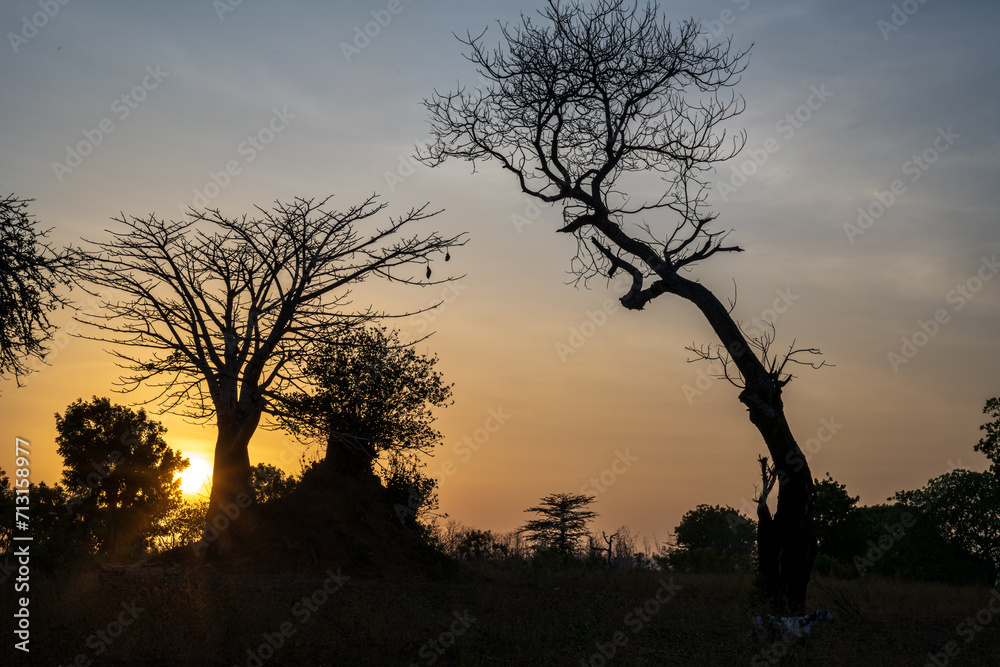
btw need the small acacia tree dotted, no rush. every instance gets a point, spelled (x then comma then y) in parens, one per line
(562, 522)
(30, 272)
(118, 471)
(219, 312)
(587, 108)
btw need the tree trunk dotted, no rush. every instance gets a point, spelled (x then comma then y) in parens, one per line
(788, 549)
(231, 504)
(786, 543)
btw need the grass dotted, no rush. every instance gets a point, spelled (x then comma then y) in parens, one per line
(522, 616)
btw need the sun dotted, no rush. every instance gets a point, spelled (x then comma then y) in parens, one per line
(197, 479)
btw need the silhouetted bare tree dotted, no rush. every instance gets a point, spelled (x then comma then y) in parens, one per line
(30, 271)
(223, 311)
(588, 106)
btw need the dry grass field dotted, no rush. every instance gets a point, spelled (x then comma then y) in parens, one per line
(488, 614)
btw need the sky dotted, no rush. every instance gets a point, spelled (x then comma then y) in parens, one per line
(866, 200)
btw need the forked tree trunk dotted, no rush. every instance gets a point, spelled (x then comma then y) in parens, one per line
(231, 504)
(786, 544)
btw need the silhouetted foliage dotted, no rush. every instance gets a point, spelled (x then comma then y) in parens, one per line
(902, 543)
(270, 482)
(7, 509)
(990, 443)
(562, 523)
(221, 311)
(476, 545)
(373, 396)
(30, 272)
(119, 473)
(184, 524)
(413, 495)
(964, 507)
(837, 526)
(712, 538)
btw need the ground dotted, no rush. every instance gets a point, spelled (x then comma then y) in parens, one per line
(484, 614)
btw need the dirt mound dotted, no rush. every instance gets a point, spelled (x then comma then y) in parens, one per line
(335, 520)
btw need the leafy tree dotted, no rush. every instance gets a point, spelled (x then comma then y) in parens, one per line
(562, 523)
(964, 507)
(900, 542)
(219, 313)
(30, 272)
(118, 471)
(582, 107)
(836, 521)
(713, 538)
(477, 545)
(373, 396)
(413, 495)
(270, 482)
(720, 528)
(990, 443)
(184, 524)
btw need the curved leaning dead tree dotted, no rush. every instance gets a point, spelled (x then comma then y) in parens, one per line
(591, 106)
(221, 313)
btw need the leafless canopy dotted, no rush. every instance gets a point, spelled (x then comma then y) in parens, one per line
(588, 96)
(776, 365)
(220, 311)
(30, 272)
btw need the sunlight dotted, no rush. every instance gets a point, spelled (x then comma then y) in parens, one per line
(197, 479)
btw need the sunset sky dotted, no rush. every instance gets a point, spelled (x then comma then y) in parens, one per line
(872, 207)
